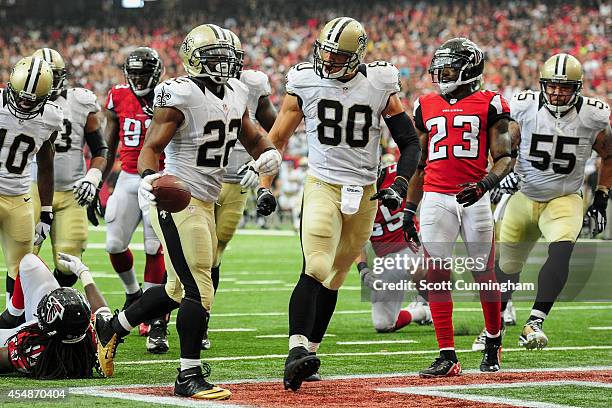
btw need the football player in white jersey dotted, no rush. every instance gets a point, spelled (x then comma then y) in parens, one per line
(197, 120)
(29, 124)
(75, 186)
(342, 101)
(240, 174)
(559, 130)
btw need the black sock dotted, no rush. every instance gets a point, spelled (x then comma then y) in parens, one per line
(303, 305)
(326, 304)
(154, 302)
(449, 355)
(65, 280)
(553, 275)
(191, 325)
(10, 285)
(504, 278)
(8, 321)
(214, 275)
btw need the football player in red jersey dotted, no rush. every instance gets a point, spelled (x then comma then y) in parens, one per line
(58, 339)
(129, 109)
(458, 128)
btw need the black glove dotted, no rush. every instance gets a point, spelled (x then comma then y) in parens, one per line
(393, 195)
(472, 192)
(95, 210)
(266, 203)
(597, 211)
(410, 232)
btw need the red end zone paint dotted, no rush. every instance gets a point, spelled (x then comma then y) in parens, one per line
(362, 392)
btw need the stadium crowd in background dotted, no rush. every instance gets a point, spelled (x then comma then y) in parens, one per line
(403, 33)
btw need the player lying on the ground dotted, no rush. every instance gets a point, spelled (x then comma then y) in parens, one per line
(58, 339)
(560, 129)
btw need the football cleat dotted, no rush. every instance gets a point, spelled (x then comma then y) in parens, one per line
(107, 342)
(479, 342)
(316, 376)
(143, 329)
(491, 360)
(299, 365)
(441, 367)
(510, 315)
(131, 298)
(157, 339)
(533, 337)
(192, 383)
(206, 342)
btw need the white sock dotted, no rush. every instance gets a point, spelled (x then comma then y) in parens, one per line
(187, 363)
(130, 283)
(313, 347)
(298, 340)
(148, 285)
(418, 313)
(491, 336)
(538, 313)
(12, 309)
(123, 321)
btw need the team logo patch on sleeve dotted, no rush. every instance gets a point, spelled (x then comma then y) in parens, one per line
(162, 98)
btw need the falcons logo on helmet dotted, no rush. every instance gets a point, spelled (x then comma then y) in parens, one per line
(54, 311)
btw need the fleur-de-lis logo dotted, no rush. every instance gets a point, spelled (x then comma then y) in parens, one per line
(162, 97)
(163, 214)
(187, 44)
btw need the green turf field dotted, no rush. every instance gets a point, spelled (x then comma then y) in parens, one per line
(257, 276)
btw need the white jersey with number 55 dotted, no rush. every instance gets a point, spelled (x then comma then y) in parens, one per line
(199, 151)
(343, 120)
(553, 151)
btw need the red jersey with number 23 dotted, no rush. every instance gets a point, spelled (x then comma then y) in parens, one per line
(457, 130)
(387, 235)
(133, 125)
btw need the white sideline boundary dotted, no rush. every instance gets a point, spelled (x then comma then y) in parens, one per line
(108, 391)
(356, 354)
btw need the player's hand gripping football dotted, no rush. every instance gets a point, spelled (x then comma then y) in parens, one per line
(145, 190)
(597, 211)
(409, 227)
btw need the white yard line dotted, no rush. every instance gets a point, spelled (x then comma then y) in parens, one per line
(153, 399)
(359, 354)
(283, 336)
(600, 328)
(366, 342)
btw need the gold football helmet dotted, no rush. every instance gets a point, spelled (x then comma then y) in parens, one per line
(207, 51)
(29, 87)
(561, 82)
(56, 62)
(340, 48)
(239, 51)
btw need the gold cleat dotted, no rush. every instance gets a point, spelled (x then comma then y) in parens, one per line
(107, 342)
(533, 337)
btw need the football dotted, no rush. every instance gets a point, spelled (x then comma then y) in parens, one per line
(172, 194)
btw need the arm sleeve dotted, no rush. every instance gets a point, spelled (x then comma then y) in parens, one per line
(405, 136)
(96, 143)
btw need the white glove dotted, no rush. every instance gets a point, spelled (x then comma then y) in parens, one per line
(145, 192)
(508, 185)
(250, 176)
(42, 229)
(268, 162)
(72, 263)
(84, 190)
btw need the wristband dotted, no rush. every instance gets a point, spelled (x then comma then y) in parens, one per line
(361, 266)
(147, 172)
(86, 278)
(46, 208)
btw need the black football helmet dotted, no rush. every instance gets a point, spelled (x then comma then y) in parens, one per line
(466, 61)
(64, 312)
(142, 70)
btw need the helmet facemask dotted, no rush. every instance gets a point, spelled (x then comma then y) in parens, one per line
(25, 105)
(332, 63)
(557, 91)
(218, 62)
(142, 74)
(460, 65)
